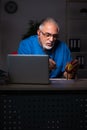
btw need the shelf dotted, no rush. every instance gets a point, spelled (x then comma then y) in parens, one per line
(80, 52)
(77, 33)
(80, 55)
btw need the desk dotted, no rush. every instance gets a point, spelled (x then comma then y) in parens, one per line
(60, 105)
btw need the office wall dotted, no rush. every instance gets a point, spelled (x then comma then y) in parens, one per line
(0, 40)
(13, 26)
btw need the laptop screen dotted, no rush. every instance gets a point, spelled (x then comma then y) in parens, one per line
(32, 69)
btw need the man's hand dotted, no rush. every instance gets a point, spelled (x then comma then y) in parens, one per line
(52, 64)
(72, 66)
(71, 69)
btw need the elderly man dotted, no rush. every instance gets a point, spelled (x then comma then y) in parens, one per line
(46, 42)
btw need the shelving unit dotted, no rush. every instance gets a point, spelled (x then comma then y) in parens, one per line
(77, 32)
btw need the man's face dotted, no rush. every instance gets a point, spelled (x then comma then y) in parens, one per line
(48, 35)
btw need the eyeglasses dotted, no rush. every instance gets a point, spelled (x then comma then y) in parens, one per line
(48, 35)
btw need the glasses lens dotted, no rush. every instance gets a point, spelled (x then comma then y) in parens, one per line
(48, 35)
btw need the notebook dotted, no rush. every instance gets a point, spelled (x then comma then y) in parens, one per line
(30, 69)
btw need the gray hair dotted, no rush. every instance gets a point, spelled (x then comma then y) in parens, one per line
(51, 20)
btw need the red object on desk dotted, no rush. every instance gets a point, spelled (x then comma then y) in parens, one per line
(14, 52)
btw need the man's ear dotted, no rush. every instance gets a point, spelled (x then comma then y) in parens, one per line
(38, 32)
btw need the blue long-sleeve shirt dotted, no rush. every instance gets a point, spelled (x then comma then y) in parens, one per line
(60, 54)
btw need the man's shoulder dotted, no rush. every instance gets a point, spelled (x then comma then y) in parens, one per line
(29, 41)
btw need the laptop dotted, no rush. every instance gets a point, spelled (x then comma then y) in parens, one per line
(30, 69)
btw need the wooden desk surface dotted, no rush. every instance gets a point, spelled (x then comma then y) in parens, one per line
(55, 84)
